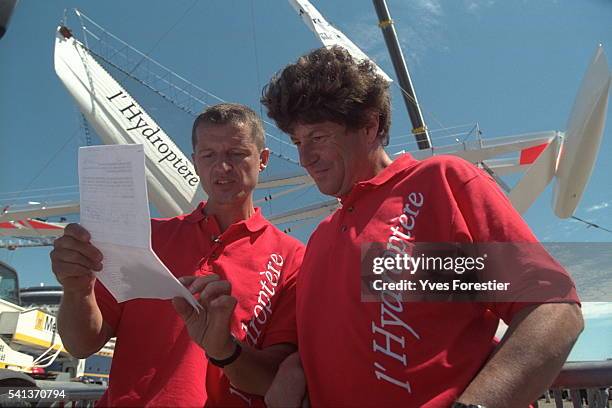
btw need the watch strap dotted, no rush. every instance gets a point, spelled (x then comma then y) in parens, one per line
(229, 360)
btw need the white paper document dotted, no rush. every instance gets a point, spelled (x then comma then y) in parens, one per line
(115, 211)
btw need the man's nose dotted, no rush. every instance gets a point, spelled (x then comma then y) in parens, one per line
(308, 157)
(224, 164)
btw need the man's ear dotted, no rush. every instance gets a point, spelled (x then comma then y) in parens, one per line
(371, 127)
(264, 157)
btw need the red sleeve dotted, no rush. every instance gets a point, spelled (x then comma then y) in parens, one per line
(111, 310)
(483, 214)
(283, 328)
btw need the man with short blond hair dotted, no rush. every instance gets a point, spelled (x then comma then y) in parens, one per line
(242, 268)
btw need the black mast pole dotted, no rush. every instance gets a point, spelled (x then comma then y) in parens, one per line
(401, 70)
(6, 10)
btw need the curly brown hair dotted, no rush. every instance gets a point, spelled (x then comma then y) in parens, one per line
(328, 85)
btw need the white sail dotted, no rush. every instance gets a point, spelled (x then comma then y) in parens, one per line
(173, 185)
(583, 136)
(328, 34)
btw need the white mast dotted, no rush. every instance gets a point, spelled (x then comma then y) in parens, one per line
(172, 182)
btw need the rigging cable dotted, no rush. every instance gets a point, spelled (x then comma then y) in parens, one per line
(302, 222)
(442, 127)
(184, 109)
(590, 224)
(253, 31)
(88, 139)
(129, 73)
(70, 138)
(8, 193)
(187, 10)
(253, 34)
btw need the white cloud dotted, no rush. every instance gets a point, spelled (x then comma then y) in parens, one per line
(590, 310)
(368, 37)
(561, 230)
(473, 6)
(431, 6)
(597, 310)
(418, 30)
(419, 27)
(598, 207)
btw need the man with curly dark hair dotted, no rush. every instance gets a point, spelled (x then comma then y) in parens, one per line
(390, 352)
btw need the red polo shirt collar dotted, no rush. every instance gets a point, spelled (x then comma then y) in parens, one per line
(398, 165)
(255, 223)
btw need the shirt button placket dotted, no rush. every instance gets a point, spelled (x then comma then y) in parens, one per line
(349, 209)
(216, 247)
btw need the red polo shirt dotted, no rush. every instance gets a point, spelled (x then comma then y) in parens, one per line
(155, 362)
(389, 353)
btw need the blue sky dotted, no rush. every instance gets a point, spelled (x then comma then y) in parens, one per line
(512, 66)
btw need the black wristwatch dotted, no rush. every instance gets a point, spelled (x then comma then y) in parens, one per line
(230, 359)
(462, 405)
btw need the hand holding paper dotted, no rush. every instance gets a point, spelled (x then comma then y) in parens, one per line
(115, 211)
(210, 329)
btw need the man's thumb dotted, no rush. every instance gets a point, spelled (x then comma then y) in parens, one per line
(222, 310)
(183, 308)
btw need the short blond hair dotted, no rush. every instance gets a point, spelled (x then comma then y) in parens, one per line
(231, 114)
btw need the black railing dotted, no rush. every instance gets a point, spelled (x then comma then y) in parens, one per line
(582, 384)
(579, 384)
(68, 394)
